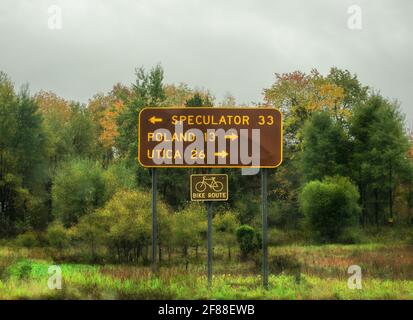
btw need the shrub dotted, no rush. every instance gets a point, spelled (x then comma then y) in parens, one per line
(123, 225)
(284, 214)
(21, 270)
(225, 225)
(190, 226)
(78, 188)
(248, 240)
(57, 236)
(287, 264)
(5, 263)
(330, 206)
(118, 177)
(91, 231)
(352, 236)
(28, 239)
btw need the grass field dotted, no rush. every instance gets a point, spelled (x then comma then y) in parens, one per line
(302, 272)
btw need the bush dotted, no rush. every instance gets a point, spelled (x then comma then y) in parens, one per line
(190, 227)
(225, 225)
(28, 239)
(21, 270)
(119, 177)
(284, 215)
(352, 236)
(91, 230)
(57, 236)
(277, 237)
(5, 263)
(78, 188)
(248, 240)
(287, 264)
(123, 225)
(330, 206)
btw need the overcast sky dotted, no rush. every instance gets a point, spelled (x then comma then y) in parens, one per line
(231, 46)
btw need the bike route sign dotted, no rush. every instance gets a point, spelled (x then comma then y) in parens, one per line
(209, 187)
(210, 137)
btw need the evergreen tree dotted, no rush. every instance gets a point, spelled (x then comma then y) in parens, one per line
(380, 154)
(326, 148)
(22, 161)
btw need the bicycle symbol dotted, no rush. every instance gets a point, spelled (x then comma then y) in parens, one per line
(212, 183)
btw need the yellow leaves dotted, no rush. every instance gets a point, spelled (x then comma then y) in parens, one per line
(52, 105)
(299, 95)
(109, 125)
(328, 97)
(177, 95)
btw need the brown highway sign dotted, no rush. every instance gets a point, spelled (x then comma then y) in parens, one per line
(209, 187)
(210, 137)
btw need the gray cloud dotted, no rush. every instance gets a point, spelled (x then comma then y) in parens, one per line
(231, 45)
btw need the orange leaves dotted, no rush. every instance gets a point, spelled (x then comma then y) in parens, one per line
(109, 125)
(52, 105)
(105, 108)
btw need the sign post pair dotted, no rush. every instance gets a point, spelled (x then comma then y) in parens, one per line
(211, 138)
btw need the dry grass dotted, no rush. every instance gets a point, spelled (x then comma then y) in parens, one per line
(387, 274)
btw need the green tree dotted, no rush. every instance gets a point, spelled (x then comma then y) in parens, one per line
(225, 225)
(177, 94)
(92, 232)
(380, 157)
(354, 92)
(82, 133)
(326, 148)
(78, 189)
(190, 228)
(248, 240)
(57, 236)
(22, 161)
(118, 176)
(147, 92)
(56, 113)
(126, 221)
(330, 206)
(200, 100)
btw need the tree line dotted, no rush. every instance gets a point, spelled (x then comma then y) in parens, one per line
(69, 173)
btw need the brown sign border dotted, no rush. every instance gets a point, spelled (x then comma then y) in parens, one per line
(213, 166)
(208, 174)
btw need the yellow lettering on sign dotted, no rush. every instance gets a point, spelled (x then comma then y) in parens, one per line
(269, 120)
(164, 154)
(211, 120)
(160, 136)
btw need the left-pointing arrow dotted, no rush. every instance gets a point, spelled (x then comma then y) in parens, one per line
(154, 120)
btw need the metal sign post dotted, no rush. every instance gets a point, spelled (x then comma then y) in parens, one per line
(264, 228)
(209, 187)
(209, 236)
(154, 224)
